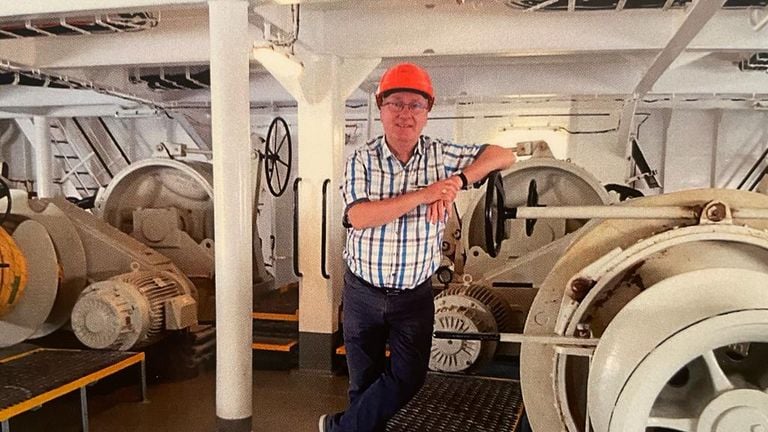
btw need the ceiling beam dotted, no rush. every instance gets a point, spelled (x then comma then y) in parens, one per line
(27, 96)
(463, 31)
(605, 75)
(700, 13)
(183, 39)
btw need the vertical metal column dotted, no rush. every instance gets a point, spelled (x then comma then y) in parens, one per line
(43, 158)
(717, 118)
(321, 157)
(84, 408)
(624, 135)
(5, 427)
(230, 118)
(144, 381)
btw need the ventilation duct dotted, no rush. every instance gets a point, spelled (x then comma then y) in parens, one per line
(619, 4)
(72, 26)
(177, 80)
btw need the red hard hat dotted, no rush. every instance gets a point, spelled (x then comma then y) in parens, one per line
(405, 77)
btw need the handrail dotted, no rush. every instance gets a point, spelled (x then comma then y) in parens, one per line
(752, 170)
(90, 143)
(324, 233)
(296, 228)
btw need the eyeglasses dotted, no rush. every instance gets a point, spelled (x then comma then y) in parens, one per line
(414, 107)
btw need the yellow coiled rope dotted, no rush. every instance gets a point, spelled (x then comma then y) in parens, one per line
(13, 273)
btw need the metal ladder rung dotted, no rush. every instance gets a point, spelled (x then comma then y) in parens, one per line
(95, 186)
(78, 172)
(70, 168)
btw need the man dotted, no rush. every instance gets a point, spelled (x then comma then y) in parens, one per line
(398, 189)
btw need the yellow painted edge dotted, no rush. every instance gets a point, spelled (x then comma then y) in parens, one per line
(342, 350)
(66, 388)
(276, 316)
(286, 347)
(20, 355)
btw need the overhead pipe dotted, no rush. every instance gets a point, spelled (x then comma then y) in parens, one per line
(76, 26)
(21, 73)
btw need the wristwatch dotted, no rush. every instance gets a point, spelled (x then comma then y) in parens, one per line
(464, 181)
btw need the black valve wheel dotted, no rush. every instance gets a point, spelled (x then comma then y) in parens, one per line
(531, 201)
(5, 193)
(277, 156)
(494, 213)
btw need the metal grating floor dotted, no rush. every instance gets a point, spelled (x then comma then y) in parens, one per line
(41, 371)
(450, 403)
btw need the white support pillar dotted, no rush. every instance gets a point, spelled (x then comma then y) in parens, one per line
(230, 118)
(43, 158)
(625, 135)
(717, 117)
(321, 91)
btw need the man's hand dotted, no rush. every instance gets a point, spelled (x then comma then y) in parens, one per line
(368, 214)
(440, 195)
(438, 211)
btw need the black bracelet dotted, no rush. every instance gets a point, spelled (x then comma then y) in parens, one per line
(464, 181)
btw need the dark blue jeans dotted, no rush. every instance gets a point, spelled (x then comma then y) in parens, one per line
(378, 387)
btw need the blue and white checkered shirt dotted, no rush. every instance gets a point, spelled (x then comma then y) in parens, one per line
(406, 251)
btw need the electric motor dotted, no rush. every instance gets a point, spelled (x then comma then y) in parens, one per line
(132, 310)
(467, 309)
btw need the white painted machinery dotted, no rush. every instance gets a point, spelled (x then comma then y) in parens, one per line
(525, 255)
(132, 310)
(167, 205)
(655, 318)
(496, 287)
(58, 261)
(473, 309)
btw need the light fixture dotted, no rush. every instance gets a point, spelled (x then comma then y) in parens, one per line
(277, 61)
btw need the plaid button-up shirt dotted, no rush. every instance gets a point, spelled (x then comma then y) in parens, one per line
(406, 251)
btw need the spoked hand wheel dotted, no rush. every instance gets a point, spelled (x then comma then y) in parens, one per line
(5, 193)
(532, 201)
(494, 213)
(277, 156)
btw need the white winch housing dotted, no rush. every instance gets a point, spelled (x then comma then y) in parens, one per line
(679, 311)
